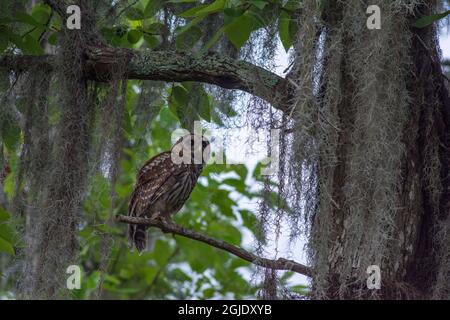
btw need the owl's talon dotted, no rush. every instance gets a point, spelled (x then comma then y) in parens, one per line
(165, 221)
(162, 218)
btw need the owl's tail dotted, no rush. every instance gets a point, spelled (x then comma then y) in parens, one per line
(137, 238)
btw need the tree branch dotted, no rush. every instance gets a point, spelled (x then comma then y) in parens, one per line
(170, 227)
(102, 62)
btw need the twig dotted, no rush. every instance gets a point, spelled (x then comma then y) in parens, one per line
(46, 25)
(170, 227)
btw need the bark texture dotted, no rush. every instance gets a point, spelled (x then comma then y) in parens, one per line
(384, 182)
(100, 61)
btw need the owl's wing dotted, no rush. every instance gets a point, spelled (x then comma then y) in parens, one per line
(152, 181)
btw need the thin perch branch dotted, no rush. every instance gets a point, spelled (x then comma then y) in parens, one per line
(170, 227)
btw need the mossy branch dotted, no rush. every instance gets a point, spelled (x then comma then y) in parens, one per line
(170, 227)
(101, 62)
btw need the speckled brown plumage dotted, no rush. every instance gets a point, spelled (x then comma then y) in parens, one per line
(163, 186)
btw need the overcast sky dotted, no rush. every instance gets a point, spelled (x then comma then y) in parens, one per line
(235, 150)
(445, 44)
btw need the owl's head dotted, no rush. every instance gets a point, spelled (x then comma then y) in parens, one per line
(191, 149)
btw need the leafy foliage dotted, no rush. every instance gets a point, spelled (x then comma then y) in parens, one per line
(426, 21)
(6, 233)
(176, 267)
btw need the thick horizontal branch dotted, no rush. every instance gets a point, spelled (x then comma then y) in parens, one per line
(170, 227)
(102, 63)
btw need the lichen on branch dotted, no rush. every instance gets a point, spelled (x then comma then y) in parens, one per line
(175, 66)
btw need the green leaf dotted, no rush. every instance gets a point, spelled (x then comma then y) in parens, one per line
(152, 41)
(161, 252)
(300, 289)
(239, 30)
(187, 40)
(152, 8)
(112, 280)
(135, 14)
(179, 275)
(204, 105)
(10, 133)
(208, 293)
(124, 190)
(155, 28)
(286, 28)
(6, 232)
(178, 101)
(150, 274)
(6, 247)
(214, 7)
(41, 14)
(126, 124)
(53, 38)
(181, 95)
(426, 21)
(234, 12)
(9, 185)
(204, 9)
(250, 220)
(205, 109)
(194, 252)
(260, 4)
(193, 12)
(32, 46)
(222, 199)
(262, 17)
(292, 5)
(4, 215)
(241, 170)
(28, 19)
(238, 184)
(225, 231)
(134, 36)
(28, 44)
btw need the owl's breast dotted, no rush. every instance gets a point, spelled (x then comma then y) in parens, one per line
(179, 191)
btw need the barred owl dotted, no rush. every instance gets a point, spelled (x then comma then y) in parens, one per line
(164, 184)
